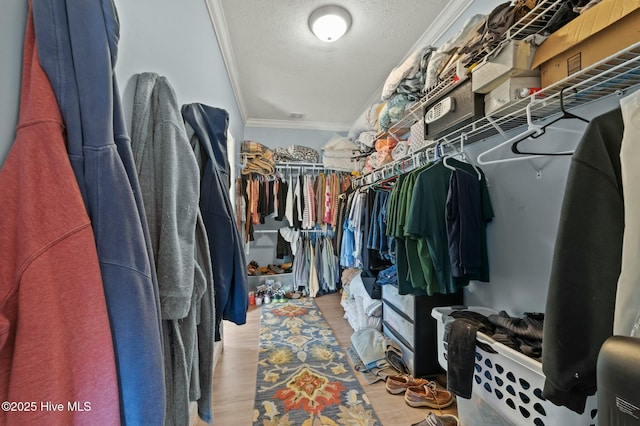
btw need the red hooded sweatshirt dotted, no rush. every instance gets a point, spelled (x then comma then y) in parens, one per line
(56, 353)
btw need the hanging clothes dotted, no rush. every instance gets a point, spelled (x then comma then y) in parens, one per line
(468, 210)
(171, 200)
(289, 204)
(227, 255)
(298, 203)
(56, 338)
(77, 45)
(627, 308)
(415, 268)
(314, 285)
(300, 266)
(426, 219)
(586, 265)
(283, 193)
(347, 246)
(319, 187)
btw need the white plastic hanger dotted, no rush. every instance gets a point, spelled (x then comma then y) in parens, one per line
(533, 130)
(463, 136)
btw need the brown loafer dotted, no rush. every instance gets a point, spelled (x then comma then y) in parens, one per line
(428, 396)
(399, 384)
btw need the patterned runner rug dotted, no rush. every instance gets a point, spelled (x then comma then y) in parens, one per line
(303, 375)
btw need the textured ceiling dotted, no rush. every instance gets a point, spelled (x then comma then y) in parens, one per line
(278, 67)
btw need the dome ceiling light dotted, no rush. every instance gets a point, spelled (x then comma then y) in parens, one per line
(329, 23)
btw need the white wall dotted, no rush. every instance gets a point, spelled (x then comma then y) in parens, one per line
(527, 206)
(273, 137)
(175, 39)
(12, 24)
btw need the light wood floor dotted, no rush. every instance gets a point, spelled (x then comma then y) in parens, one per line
(234, 379)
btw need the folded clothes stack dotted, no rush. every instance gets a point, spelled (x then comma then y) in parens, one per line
(259, 158)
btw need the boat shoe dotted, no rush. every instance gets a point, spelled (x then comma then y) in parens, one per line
(428, 396)
(439, 420)
(399, 384)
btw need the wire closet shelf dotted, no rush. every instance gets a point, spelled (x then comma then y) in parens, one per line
(531, 24)
(612, 75)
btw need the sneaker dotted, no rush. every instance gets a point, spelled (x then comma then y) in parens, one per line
(428, 396)
(399, 384)
(439, 420)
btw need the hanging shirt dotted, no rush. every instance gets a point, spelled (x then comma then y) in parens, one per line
(314, 286)
(78, 51)
(283, 192)
(422, 278)
(311, 202)
(306, 212)
(56, 339)
(347, 242)
(586, 265)
(627, 308)
(319, 187)
(427, 219)
(327, 200)
(468, 210)
(299, 204)
(289, 206)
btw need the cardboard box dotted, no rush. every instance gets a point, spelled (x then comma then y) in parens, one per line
(509, 91)
(603, 30)
(513, 60)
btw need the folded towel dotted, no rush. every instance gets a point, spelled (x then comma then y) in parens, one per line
(400, 150)
(367, 138)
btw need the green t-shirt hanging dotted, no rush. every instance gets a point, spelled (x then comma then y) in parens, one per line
(426, 218)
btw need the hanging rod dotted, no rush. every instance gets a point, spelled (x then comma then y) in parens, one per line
(275, 231)
(298, 165)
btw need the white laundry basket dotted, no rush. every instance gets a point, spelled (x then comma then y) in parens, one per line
(512, 384)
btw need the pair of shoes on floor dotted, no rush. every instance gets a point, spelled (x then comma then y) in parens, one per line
(419, 392)
(399, 384)
(428, 396)
(439, 420)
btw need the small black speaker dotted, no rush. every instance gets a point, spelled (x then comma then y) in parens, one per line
(618, 374)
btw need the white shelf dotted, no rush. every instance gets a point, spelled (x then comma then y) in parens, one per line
(531, 24)
(613, 75)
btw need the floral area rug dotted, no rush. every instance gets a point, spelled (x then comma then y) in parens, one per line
(303, 375)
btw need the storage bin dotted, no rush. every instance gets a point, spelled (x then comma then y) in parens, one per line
(478, 412)
(513, 60)
(514, 89)
(441, 314)
(512, 384)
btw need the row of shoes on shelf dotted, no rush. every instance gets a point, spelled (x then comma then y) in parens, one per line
(423, 393)
(254, 269)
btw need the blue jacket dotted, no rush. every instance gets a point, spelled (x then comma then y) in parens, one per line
(227, 257)
(77, 45)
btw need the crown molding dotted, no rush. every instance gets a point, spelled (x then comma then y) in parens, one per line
(434, 32)
(220, 28)
(303, 125)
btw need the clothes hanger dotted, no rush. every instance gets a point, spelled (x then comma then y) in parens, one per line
(566, 115)
(463, 136)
